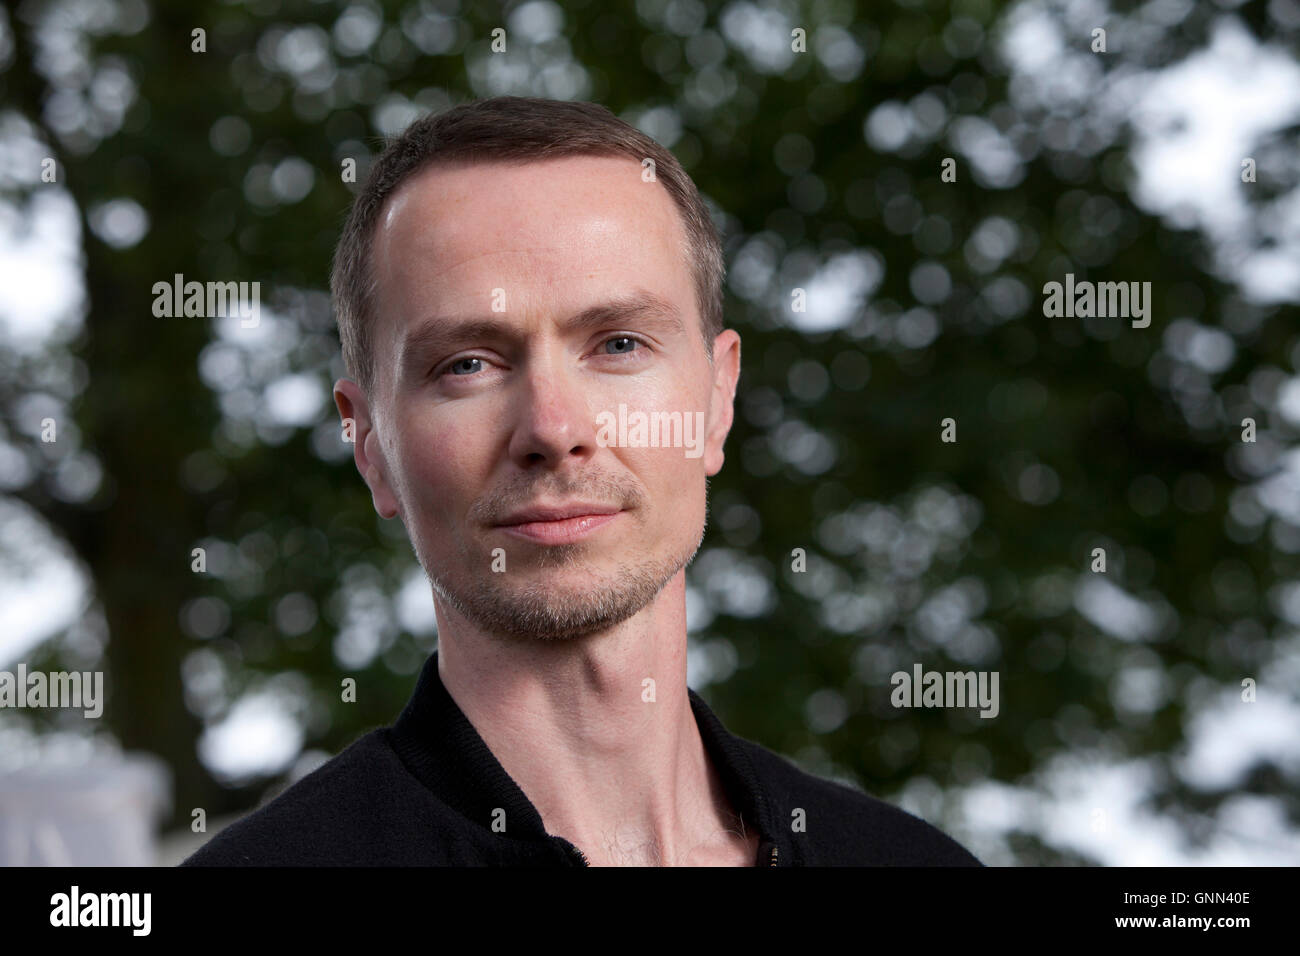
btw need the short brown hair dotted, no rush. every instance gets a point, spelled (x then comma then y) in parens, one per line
(508, 129)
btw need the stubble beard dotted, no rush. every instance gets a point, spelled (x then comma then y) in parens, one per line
(538, 609)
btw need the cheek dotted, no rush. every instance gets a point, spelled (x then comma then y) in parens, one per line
(438, 460)
(663, 389)
(673, 482)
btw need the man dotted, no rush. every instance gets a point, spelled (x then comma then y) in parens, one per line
(516, 275)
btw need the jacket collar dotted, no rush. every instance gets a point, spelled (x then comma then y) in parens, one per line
(444, 752)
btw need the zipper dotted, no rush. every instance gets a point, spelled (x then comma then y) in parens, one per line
(575, 852)
(773, 863)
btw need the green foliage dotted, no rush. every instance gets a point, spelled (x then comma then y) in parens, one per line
(1071, 433)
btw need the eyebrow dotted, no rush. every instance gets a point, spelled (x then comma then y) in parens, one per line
(440, 335)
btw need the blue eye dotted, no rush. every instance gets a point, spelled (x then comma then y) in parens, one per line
(459, 362)
(472, 364)
(621, 338)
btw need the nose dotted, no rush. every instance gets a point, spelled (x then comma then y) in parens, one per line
(553, 418)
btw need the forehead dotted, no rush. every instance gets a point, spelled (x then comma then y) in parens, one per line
(555, 233)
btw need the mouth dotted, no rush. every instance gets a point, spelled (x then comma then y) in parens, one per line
(563, 525)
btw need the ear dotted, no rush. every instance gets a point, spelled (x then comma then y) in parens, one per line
(722, 399)
(354, 409)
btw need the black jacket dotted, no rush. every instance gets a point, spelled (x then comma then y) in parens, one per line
(423, 793)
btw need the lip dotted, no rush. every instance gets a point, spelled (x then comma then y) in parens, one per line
(573, 509)
(563, 525)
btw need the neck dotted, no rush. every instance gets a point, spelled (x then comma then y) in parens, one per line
(598, 732)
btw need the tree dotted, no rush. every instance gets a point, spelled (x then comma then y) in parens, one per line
(892, 178)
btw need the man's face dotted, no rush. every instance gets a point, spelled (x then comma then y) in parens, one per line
(517, 308)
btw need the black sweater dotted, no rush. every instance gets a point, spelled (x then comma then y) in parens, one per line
(425, 792)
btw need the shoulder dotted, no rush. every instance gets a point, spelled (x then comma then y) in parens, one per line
(843, 826)
(325, 818)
